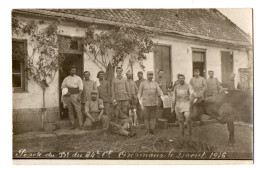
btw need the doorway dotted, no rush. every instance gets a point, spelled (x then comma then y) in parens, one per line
(198, 62)
(162, 61)
(69, 59)
(226, 65)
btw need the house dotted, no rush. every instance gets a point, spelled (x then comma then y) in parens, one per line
(188, 39)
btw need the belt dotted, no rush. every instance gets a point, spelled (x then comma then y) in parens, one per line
(73, 90)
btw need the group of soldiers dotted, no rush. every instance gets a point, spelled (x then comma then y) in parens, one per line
(111, 103)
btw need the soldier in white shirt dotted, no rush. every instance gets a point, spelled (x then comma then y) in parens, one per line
(73, 97)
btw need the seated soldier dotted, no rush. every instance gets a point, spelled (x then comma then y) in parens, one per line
(94, 109)
(121, 124)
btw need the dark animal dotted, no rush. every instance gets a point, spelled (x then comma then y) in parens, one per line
(226, 107)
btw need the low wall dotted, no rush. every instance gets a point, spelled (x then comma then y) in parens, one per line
(26, 120)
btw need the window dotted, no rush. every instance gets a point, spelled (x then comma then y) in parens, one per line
(67, 44)
(19, 52)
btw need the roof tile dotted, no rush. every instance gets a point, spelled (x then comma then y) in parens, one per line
(203, 22)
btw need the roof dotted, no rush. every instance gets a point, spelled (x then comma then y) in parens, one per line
(203, 23)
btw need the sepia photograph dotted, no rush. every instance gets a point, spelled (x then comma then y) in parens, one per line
(132, 84)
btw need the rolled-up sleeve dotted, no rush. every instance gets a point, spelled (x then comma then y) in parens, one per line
(63, 85)
(100, 104)
(80, 83)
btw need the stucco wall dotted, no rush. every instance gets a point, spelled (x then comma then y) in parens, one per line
(181, 55)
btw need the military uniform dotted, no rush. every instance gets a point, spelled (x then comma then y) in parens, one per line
(104, 92)
(93, 107)
(213, 86)
(120, 92)
(199, 85)
(121, 123)
(133, 90)
(139, 110)
(88, 86)
(148, 93)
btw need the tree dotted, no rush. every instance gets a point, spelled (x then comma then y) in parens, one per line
(44, 61)
(114, 45)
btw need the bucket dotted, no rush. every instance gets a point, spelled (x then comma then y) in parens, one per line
(162, 123)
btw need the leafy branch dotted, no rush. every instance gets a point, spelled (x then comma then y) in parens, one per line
(119, 42)
(44, 61)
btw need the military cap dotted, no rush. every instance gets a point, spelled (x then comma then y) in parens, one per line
(94, 91)
(129, 72)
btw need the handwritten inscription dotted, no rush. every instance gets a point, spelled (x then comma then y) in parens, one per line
(23, 153)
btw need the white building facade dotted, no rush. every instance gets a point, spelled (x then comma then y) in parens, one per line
(175, 53)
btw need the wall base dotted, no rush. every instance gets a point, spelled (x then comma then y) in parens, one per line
(30, 119)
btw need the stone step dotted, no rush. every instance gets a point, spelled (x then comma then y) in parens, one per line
(64, 124)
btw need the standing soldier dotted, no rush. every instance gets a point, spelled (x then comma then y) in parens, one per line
(139, 108)
(181, 103)
(213, 86)
(162, 82)
(231, 82)
(104, 91)
(198, 83)
(73, 96)
(149, 91)
(163, 85)
(88, 86)
(133, 89)
(120, 92)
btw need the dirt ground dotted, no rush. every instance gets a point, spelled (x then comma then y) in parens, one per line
(211, 137)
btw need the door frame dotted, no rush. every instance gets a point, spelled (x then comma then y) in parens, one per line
(170, 55)
(204, 61)
(59, 83)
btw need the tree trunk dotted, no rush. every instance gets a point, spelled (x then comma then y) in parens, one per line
(43, 107)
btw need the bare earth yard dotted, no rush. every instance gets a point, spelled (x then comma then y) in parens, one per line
(211, 137)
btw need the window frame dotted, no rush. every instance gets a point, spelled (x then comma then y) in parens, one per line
(24, 80)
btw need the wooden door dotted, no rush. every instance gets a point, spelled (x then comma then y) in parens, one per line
(162, 61)
(226, 65)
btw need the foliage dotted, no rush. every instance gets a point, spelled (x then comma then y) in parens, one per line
(44, 43)
(120, 41)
